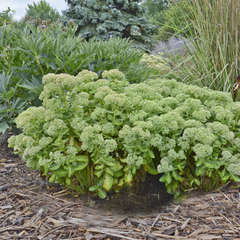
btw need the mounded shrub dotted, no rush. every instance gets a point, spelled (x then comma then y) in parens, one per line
(28, 53)
(104, 134)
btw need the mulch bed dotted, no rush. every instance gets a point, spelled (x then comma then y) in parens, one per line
(32, 209)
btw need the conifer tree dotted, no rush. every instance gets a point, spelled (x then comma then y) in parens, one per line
(104, 19)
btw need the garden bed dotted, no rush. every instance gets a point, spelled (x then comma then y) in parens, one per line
(32, 209)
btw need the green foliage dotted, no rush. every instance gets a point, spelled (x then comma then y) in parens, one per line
(155, 6)
(6, 17)
(177, 20)
(155, 11)
(102, 134)
(10, 103)
(213, 59)
(41, 11)
(202, 136)
(107, 19)
(28, 53)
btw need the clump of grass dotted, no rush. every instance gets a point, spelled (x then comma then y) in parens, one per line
(213, 59)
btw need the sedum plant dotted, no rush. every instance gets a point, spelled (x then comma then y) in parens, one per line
(157, 63)
(104, 134)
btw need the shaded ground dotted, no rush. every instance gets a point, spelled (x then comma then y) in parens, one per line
(31, 209)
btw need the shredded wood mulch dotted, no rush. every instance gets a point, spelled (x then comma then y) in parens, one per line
(32, 209)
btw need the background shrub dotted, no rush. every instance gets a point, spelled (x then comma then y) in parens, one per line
(155, 11)
(107, 19)
(6, 17)
(102, 134)
(41, 11)
(28, 53)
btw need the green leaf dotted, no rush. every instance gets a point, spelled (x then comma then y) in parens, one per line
(197, 181)
(109, 171)
(118, 174)
(99, 167)
(128, 178)
(200, 171)
(70, 172)
(177, 177)
(93, 188)
(3, 127)
(68, 181)
(98, 173)
(168, 178)
(107, 181)
(80, 167)
(116, 167)
(235, 178)
(102, 194)
(61, 173)
(82, 158)
(151, 170)
(52, 178)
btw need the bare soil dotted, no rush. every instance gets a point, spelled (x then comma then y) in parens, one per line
(32, 209)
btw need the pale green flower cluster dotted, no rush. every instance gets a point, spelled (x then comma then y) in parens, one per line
(113, 74)
(157, 63)
(31, 120)
(115, 100)
(101, 134)
(55, 128)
